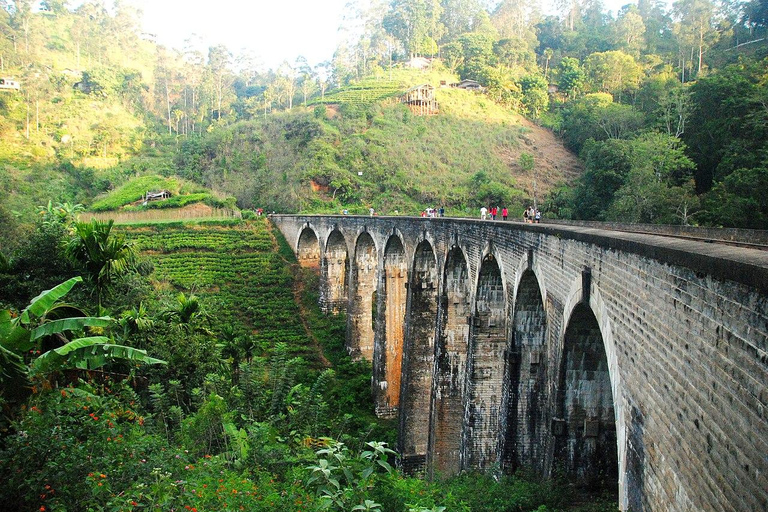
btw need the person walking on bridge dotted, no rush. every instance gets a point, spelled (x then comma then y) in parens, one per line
(504, 213)
(483, 212)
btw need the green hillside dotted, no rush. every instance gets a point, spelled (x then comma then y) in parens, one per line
(668, 128)
(381, 155)
(130, 195)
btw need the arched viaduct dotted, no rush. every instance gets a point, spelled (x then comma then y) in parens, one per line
(622, 359)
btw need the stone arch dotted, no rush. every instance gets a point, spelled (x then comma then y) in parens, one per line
(586, 417)
(393, 300)
(451, 364)
(362, 284)
(308, 248)
(526, 411)
(337, 273)
(418, 358)
(488, 342)
(584, 291)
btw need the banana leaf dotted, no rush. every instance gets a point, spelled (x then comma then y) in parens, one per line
(40, 304)
(88, 354)
(70, 324)
(13, 337)
(13, 374)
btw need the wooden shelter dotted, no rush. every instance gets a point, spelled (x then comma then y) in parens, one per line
(154, 196)
(421, 100)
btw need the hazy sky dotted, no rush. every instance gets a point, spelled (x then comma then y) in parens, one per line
(274, 30)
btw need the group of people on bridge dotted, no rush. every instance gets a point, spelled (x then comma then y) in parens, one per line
(531, 214)
(433, 212)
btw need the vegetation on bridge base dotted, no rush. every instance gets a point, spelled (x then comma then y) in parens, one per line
(243, 413)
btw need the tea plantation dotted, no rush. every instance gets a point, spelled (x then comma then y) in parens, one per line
(236, 269)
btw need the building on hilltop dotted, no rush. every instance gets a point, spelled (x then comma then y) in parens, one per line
(469, 85)
(154, 196)
(9, 85)
(421, 100)
(418, 63)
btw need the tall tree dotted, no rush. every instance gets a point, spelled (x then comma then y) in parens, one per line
(21, 21)
(570, 77)
(415, 23)
(517, 19)
(286, 82)
(166, 86)
(630, 31)
(614, 72)
(694, 29)
(458, 17)
(220, 76)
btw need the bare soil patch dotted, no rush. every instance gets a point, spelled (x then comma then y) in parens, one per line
(554, 164)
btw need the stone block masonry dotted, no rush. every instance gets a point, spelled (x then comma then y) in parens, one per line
(632, 362)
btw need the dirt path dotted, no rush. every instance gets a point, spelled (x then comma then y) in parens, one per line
(298, 294)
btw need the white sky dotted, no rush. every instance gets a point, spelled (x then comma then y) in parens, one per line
(273, 30)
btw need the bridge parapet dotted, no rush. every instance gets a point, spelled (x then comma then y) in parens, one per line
(629, 359)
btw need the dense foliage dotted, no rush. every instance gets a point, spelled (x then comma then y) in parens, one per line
(259, 407)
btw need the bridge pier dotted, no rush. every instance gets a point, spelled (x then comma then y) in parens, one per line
(388, 351)
(362, 291)
(418, 360)
(449, 389)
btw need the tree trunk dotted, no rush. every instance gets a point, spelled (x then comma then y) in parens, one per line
(701, 47)
(168, 105)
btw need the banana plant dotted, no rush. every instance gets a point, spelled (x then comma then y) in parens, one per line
(23, 334)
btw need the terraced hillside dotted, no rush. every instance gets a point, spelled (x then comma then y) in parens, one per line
(239, 272)
(366, 92)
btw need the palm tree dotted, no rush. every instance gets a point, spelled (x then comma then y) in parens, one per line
(186, 312)
(104, 256)
(135, 320)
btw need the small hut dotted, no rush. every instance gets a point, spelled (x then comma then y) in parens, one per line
(469, 85)
(419, 63)
(156, 196)
(7, 84)
(421, 100)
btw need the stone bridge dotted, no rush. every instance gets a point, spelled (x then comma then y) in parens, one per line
(631, 362)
